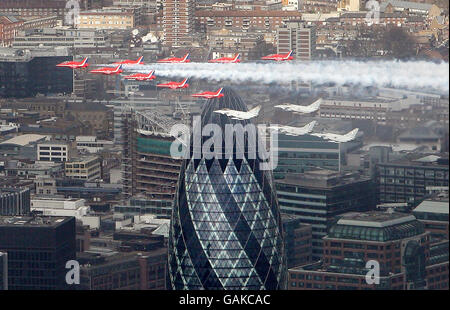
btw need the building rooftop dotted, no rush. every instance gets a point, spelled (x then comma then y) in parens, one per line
(31, 4)
(246, 13)
(420, 159)
(433, 206)
(406, 5)
(322, 178)
(24, 140)
(82, 159)
(375, 219)
(419, 133)
(376, 226)
(38, 221)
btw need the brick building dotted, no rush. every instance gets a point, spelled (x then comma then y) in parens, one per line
(398, 242)
(178, 22)
(261, 19)
(9, 26)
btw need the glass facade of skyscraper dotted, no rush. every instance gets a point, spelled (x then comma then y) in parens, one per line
(226, 228)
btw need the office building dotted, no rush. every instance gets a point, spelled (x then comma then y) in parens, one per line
(35, 170)
(298, 37)
(268, 21)
(375, 109)
(178, 22)
(55, 151)
(85, 168)
(226, 230)
(433, 213)
(134, 260)
(33, 7)
(397, 241)
(317, 197)
(123, 271)
(149, 170)
(298, 154)
(91, 144)
(297, 241)
(38, 249)
(14, 201)
(406, 180)
(3, 271)
(21, 73)
(107, 19)
(60, 37)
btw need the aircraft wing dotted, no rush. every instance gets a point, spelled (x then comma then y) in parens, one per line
(239, 115)
(291, 108)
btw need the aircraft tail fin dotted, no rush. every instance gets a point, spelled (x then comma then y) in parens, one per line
(352, 134)
(289, 54)
(309, 127)
(317, 103)
(256, 110)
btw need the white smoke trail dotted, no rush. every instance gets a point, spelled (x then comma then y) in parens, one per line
(412, 75)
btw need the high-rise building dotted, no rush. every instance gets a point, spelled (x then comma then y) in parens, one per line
(406, 180)
(226, 230)
(38, 249)
(297, 241)
(21, 73)
(298, 37)
(397, 242)
(14, 201)
(317, 197)
(298, 154)
(3, 271)
(149, 171)
(178, 22)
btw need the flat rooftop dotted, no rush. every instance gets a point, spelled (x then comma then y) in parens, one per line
(375, 219)
(24, 140)
(433, 206)
(322, 178)
(418, 159)
(38, 221)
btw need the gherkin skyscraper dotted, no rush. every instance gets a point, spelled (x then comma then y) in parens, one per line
(226, 228)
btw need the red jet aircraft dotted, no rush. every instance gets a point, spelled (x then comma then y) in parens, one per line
(209, 94)
(175, 60)
(75, 64)
(175, 85)
(131, 62)
(141, 76)
(279, 57)
(227, 60)
(108, 70)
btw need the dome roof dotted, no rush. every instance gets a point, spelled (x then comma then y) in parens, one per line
(231, 100)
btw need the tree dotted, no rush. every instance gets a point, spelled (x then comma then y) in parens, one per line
(398, 43)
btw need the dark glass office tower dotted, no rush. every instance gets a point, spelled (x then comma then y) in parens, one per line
(226, 229)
